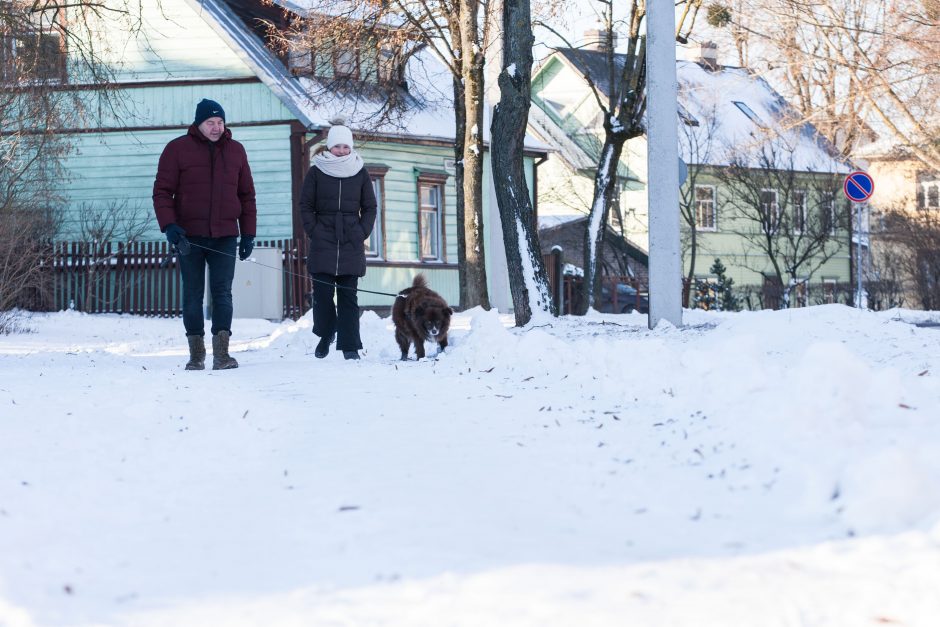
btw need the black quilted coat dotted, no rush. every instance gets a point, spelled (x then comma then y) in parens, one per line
(338, 215)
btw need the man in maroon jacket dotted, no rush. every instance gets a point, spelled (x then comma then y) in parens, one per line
(204, 198)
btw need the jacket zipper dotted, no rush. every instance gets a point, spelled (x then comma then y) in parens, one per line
(339, 216)
(211, 183)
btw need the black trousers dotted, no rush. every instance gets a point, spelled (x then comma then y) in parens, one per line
(341, 318)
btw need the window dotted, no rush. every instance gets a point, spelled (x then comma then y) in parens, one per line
(753, 117)
(346, 63)
(300, 61)
(705, 207)
(387, 68)
(430, 222)
(827, 211)
(31, 56)
(799, 210)
(799, 292)
(375, 244)
(431, 216)
(770, 209)
(687, 118)
(771, 293)
(928, 195)
(830, 287)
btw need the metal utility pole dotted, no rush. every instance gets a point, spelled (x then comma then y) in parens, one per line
(662, 181)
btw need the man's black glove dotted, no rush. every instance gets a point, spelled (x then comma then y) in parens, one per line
(176, 236)
(245, 246)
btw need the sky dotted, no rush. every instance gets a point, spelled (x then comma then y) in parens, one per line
(773, 468)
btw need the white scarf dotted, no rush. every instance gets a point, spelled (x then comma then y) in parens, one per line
(339, 167)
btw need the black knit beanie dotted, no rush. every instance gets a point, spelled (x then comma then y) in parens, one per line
(208, 109)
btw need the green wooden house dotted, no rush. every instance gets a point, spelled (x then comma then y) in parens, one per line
(728, 117)
(186, 50)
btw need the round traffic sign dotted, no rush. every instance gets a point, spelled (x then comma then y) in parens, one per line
(858, 186)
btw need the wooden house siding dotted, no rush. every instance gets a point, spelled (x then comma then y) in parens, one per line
(159, 106)
(401, 196)
(173, 42)
(394, 279)
(107, 168)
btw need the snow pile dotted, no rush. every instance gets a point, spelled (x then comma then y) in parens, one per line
(772, 468)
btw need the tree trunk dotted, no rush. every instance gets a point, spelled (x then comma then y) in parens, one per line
(605, 191)
(460, 206)
(528, 281)
(473, 290)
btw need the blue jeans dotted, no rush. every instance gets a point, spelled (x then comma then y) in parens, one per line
(220, 257)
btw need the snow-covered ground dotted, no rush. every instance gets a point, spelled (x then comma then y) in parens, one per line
(753, 469)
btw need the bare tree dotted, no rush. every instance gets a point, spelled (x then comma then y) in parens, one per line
(456, 31)
(916, 245)
(100, 228)
(528, 281)
(848, 64)
(791, 219)
(45, 45)
(620, 95)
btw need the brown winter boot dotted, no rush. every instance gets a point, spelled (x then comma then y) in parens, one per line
(220, 357)
(197, 353)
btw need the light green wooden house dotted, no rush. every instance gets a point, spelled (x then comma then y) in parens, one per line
(187, 50)
(726, 115)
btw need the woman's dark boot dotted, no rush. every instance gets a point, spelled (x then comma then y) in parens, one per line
(323, 347)
(197, 353)
(220, 357)
(351, 354)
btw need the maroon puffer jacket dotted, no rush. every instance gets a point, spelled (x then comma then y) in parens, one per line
(205, 189)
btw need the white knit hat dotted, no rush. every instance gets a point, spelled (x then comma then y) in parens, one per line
(339, 135)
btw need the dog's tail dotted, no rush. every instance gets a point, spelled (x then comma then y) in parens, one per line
(420, 281)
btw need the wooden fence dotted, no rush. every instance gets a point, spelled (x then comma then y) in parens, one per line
(143, 278)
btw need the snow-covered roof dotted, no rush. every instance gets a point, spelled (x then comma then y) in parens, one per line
(728, 109)
(742, 115)
(345, 9)
(551, 221)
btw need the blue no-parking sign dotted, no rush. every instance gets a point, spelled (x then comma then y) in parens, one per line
(858, 186)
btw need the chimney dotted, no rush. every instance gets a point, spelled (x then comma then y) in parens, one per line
(707, 55)
(596, 39)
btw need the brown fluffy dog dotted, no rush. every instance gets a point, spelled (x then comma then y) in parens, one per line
(420, 314)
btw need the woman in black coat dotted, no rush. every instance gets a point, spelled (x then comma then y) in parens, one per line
(337, 206)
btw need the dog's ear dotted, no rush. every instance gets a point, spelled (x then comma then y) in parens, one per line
(419, 311)
(448, 311)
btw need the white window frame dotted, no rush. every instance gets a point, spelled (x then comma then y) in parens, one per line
(11, 41)
(774, 205)
(926, 186)
(799, 210)
(828, 205)
(346, 63)
(714, 208)
(375, 243)
(435, 248)
(386, 65)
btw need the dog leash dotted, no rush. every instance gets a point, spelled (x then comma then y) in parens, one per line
(302, 276)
